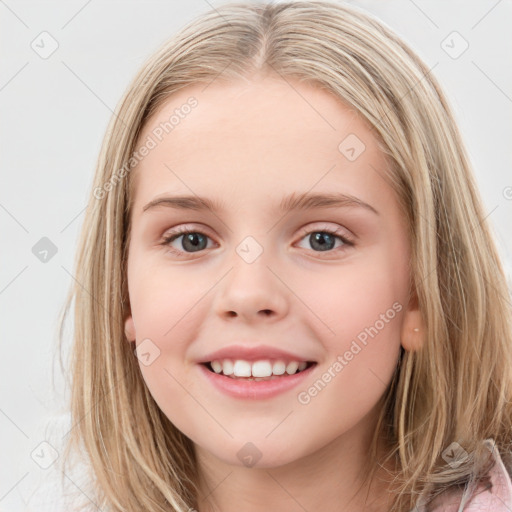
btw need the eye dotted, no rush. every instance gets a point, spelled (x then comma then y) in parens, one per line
(324, 240)
(321, 240)
(192, 241)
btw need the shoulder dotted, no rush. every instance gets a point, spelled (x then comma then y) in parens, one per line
(494, 495)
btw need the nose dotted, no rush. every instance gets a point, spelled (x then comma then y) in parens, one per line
(252, 292)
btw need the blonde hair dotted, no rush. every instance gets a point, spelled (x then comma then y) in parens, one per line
(456, 388)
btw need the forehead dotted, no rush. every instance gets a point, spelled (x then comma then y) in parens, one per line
(247, 139)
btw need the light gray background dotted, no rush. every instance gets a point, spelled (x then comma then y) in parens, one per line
(54, 114)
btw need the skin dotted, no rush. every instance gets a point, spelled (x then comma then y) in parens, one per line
(249, 144)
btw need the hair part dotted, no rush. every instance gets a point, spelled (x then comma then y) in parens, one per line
(456, 388)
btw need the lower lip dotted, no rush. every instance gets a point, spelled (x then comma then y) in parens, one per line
(255, 389)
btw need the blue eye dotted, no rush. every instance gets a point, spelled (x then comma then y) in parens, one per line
(193, 241)
(325, 240)
(321, 240)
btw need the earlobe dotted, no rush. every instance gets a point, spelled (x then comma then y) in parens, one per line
(129, 328)
(413, 331)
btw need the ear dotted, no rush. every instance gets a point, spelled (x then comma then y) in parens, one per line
(129, 328)
(413, 329)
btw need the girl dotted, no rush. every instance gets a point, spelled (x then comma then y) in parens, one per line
(287, 293)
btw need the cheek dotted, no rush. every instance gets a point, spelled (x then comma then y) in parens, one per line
(164, 302)
(362, 346)
(360, 307)
(164, 308)
(345, 300)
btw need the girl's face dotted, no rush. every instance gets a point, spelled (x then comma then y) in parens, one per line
(326, 282)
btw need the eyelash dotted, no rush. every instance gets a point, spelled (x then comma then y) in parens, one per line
(180, 231)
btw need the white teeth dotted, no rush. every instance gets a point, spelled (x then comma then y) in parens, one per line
(278, 368)
(227, 367)
(292, 367)
(217, 366)
(259, 369)
(242, 368)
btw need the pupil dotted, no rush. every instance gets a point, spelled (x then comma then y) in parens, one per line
(319, 240)
(194, 239)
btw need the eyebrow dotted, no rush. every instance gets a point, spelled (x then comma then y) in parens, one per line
(292, 202)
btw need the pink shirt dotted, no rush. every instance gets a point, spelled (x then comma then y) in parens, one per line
(495, 497)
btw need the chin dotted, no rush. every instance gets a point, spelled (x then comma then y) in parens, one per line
(256, 454)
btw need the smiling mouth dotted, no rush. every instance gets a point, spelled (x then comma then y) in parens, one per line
(257, 371)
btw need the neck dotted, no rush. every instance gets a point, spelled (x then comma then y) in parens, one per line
(333, 478)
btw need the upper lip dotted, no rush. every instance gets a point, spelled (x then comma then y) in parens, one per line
(252, 353)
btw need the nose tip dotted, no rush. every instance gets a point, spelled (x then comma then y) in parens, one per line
(264, 312)
(251, 291)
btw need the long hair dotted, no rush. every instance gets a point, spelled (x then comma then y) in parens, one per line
(456, 388)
